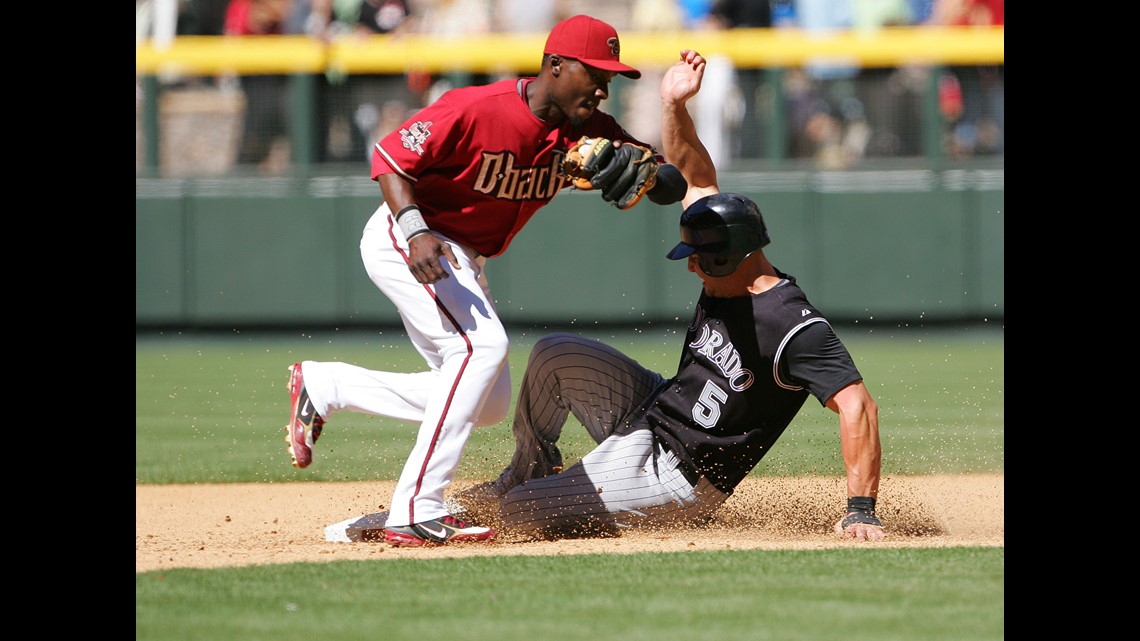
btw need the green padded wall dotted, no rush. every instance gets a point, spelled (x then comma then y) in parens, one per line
(161, 286)
(890, 246)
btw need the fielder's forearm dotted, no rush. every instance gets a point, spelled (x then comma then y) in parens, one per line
(398, 191)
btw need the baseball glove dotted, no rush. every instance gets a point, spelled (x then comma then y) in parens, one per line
(623, 174)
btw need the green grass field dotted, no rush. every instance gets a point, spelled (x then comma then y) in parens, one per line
(213, 409)
(210, 409)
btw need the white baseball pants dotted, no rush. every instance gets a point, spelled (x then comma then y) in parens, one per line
(455, 327)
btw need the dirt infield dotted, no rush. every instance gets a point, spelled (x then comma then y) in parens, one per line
(209, 526)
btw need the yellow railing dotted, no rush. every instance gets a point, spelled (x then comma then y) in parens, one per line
(497, 53)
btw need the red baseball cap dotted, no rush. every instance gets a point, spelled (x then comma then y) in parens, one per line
(589, 41)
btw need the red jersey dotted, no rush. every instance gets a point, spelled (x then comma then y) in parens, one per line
(482, 163)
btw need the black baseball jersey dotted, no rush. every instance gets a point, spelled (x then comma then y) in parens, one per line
(748, 365)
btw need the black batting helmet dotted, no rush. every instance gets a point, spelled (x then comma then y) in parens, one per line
(722, 230)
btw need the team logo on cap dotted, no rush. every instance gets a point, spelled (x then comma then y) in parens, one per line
(614, 46)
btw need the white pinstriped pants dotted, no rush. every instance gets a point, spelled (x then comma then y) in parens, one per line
(627, 481)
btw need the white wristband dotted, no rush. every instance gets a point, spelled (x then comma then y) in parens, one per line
(411, 222)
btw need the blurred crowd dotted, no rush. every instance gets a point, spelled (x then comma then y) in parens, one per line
(836, 115)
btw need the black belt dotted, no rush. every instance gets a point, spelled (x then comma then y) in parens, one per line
(691, 475)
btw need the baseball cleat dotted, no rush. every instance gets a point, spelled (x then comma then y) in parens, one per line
(446, 529)
(305, 424)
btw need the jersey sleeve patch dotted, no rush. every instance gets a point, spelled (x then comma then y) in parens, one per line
(414, 136)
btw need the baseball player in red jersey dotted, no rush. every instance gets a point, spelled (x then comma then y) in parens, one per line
(673, 450)
(460, 179)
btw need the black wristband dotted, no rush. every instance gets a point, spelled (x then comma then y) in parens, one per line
(861, 509)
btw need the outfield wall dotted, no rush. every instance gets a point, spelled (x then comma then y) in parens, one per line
(868, 246)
